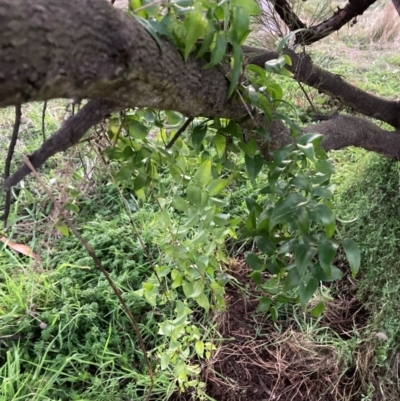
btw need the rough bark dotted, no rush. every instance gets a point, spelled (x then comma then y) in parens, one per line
(343, 131)
(87, 49)
(396, 4)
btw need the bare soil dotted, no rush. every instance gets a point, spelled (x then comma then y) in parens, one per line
(259, 360)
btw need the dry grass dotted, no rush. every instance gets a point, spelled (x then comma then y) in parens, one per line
(386, 27)
(258, 361)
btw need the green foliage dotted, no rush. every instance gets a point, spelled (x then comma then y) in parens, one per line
(367, 198)
(164, 243)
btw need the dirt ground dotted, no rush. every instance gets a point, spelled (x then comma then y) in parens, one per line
(262, 361)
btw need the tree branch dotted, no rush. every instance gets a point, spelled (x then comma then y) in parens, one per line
(341, 17)
(344, 130)
(68, 135)
(304, 70)
(86, 49)
(288, 16)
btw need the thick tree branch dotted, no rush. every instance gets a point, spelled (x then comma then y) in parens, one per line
(333, 85)
(343, 131)
(87, 49)
(68, 135)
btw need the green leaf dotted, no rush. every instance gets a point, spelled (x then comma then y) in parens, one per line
(308, 150)
(271, 286)
(264, 304)
(302, 220)
(307, 290)
(202, 300)
(62, 228)
(198, 134)
(236, 68)
(325, 167)
(353, 255)
(274, 314)
(137, 130)
(327, 218)
(72, 207)
(326, 254)
(208, 39)
(310, 138)
(292, 280)
(199, 347)
(220, 144)
(318, 310)
(254, 261)
(163, 219)
(284, 210)
(196, 25)
(303, 255)
(250, 5)
(283, 42)
(218, 52)
(193, 193)
(203, 173)
(180, 204)
(254, 165)
(265, 245)
(187, 287)
(165, 358)
(241, 23)
(216, 186)
(174, 118)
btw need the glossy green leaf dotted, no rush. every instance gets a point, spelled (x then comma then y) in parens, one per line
(62, 228)
(203, 173)
(353, 255)
(216, 186)
(250, 5)
(241, 23)
(165, 358)
(318, 309)
(302, 220)
(308, 150)
(303, 256)
(264, 304)
(236, 68)
(220, 144)
(254, 262)
(310, 138)
(193, 193)
(327, 218)
(326, 254)
(202, 300)
(265, 245)
(284, 210)
(254, 165)
(196, 25)
(198, 134)
(218, 52)
(137, 130)
(307, 290)
(199, 347)
(180, 204)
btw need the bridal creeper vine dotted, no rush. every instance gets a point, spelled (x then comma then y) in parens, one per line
(290, 218)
